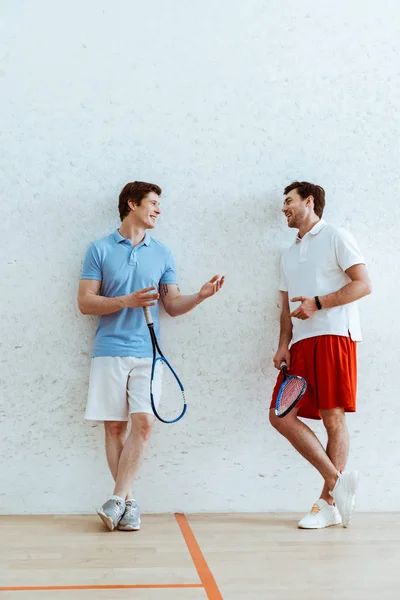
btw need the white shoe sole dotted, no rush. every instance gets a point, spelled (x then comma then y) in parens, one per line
(352, 484)
(128, 528)
(108, 522)
(323, 527)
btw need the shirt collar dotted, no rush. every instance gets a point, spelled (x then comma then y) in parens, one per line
(314, 231)
(120, 238)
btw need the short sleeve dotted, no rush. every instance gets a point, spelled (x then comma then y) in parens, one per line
(92, 264)
(169, 275)
(347, 251)
(282, 279)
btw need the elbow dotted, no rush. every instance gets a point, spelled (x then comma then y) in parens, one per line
(82, 307)
(170, 309)
(368, 288)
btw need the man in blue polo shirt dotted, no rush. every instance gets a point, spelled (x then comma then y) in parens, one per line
(121, 274)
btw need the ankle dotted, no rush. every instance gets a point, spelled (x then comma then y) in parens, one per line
(332, 481)
(121, 494)
(328, 499)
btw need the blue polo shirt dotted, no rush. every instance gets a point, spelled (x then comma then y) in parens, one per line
(123, 269)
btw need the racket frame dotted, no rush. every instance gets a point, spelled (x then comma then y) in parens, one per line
(161, 358)
(286, 379)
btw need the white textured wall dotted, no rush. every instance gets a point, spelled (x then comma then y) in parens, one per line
(222, 104)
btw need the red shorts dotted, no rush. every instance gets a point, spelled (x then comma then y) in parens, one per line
(328, 363)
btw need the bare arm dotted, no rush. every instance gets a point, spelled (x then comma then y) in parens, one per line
(285, 336)
(90, 303)
(177, 304)
(357, 288)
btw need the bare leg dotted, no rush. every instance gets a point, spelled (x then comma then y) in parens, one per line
(115, 432)
(132, 453)
(338, 442)
(306, 443)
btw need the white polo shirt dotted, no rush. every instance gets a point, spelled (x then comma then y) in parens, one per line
(315, 265)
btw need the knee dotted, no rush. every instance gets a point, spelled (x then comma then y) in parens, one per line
(334, 422)
(283, 425)
(115, 429)
(142, 426)
(276, 422)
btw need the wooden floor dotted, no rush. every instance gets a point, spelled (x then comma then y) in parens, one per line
(225, 556)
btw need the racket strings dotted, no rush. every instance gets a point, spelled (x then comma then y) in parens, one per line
(292, 389)
(172, 398)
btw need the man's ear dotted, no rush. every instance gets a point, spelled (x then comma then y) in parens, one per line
(310, 201)
(132, 205)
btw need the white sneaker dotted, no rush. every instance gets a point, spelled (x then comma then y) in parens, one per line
(321, 515)
(344, 495)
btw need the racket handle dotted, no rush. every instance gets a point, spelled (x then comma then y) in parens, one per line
(147, 315)
(283, 365)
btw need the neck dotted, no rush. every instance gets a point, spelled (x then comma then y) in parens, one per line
(308, 225)
(133, 232)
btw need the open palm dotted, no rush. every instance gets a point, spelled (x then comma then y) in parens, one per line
(211, 287)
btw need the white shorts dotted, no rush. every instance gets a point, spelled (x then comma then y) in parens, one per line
(120, 386)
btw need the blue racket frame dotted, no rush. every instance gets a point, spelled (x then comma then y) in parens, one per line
(161, 358)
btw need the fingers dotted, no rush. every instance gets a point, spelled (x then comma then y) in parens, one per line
(299, 315)
(214, 279)
(147, 296)
(143, 298)
(298, 312)
(278, 362)
(217, 282)
(212, 286)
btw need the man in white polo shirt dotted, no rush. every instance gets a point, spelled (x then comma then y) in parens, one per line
(322, 276)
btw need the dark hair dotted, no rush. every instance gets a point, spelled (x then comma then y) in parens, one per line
(135, 191)
(305, 189)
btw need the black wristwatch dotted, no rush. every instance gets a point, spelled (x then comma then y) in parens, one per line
(317, 302)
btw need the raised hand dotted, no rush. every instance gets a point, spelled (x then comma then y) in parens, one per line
(211, 287)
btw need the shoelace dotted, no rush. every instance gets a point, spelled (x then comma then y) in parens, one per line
(130, 509)
(116, 509)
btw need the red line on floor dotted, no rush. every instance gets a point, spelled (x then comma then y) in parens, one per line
(199, 561)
